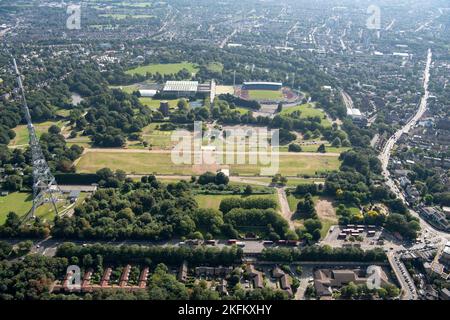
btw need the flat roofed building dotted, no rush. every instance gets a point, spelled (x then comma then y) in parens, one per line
(147, 93)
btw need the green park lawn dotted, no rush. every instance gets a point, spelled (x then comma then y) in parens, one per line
(21, 202)
(208, 201)
(154, 103)
(307, 110)
(161, 163)
(18, 202)
(21, 131)
(164, 69)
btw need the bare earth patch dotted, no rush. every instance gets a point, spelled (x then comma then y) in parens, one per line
(325, 209)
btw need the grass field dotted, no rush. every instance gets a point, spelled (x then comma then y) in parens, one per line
(293, 165)
(22, 132)
(18, 202)
(314, 147)
(265, 94)
(164, 69)
(128, 89)
(157, 139)
(82, 141)
(154, 103)
(21, 202)
(144, 163)
(139, 163)
(292, 182)
(213, 201)
(307, 110)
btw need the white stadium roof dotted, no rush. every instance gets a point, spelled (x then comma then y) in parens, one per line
(181, 86)
(262, 82)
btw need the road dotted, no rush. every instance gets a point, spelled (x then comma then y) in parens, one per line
(409, 291)
(48, 246)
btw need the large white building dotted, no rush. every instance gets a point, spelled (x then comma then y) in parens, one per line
(181, 88)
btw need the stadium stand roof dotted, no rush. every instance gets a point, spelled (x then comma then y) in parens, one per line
(249, 83)
(181, 86)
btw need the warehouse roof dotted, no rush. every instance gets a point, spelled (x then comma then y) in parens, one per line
(184, 86)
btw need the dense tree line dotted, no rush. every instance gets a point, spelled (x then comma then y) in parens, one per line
(322, 253)
(173, 256)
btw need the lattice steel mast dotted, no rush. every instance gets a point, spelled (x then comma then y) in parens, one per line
(45, 188)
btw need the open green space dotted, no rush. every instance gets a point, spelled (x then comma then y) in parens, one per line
(308, 110)
(293, 165)
(21, 131)
(128, 89)
(164, 69)
(314, 147)
(18, 202)
(21, 202)
(209, 201)
(156, 139)
(265, 94)
(82, 141)
(161, 163)
(154, 103)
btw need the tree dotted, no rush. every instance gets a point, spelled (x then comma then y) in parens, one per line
(13, 183)
(54, 129)
(336, 142)
(321, 149)
(221, 178)
(248, 190)
(294, 147)
(279, 107)
(183, 105)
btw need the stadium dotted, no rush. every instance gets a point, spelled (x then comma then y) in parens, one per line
(266, 92)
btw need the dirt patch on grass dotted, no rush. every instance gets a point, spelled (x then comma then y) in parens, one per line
(325, 209)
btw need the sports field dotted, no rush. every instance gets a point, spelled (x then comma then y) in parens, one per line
(161, 163)
(264, 95)
(164, 69)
